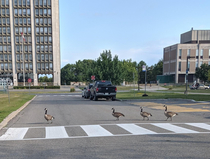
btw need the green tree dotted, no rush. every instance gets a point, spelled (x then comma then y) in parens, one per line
(202, 72)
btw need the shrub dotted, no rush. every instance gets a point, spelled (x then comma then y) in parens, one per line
(72, 89)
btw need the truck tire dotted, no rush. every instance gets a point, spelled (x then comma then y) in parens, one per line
(95, 98)
(113, 98)
(91, 97)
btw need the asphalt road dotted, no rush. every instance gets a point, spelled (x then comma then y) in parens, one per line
(86, 129)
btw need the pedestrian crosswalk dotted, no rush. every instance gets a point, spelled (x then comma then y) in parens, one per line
(104, 130)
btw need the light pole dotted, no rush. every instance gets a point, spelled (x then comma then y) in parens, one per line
(145, 70)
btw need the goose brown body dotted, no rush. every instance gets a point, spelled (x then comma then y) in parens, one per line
(169, 114)
(145, 114)
(48, 117)
(117, 114)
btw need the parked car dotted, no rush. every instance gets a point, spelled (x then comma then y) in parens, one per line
(193, 86)
(202, 86)
(83, 91)
(87, 91)
(103, 89)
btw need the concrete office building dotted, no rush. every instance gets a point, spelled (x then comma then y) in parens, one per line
(194, 45)
(38, 20)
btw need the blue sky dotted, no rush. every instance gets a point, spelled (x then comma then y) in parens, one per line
(131, 29)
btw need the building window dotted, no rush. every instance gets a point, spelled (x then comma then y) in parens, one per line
(20, 2)
(30, 66)
(209, 53)
(37, 12)
(49, 11)
(38, 48)
(46, 57)
(37, 40)
(42, 48)
(180, 53)
(26, 57)
(10, 57)
(38, 66)
(15, 2)
(46, 48)
(28, 2)
(1, 58)
(50, 56)
(49, 21)
(28, 12)
(37, 2)
(7, 12)
(201, 54)
(46, 66)
(42, 57)
(201, 63)
(40, 2)
(49, 2)
(8, 21)
(30, 57)
(20, 12)
(45, 2)
(24, 2)
(188, 52)
(42, 66)
(38, 57)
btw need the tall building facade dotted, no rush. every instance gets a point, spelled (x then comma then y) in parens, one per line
(192, 52)
(39, 51)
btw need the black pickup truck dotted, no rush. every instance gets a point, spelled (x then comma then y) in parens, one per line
(103, 89)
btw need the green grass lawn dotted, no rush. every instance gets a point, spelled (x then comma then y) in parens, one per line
(160, 95)
(14, 102)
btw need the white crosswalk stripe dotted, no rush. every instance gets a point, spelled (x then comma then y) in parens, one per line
(134, 129)
(95, 130)
(174, 128)
(56, 132)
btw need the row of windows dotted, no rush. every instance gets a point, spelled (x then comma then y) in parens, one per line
(20, 12)
(44, 66)
(5, 39)
(4, 30)
(6, 66)
(18, 39)
(27, 57)
(4, 11)
(27, 48)
(188, 64)
(43, 3)
(5, 57)
(22, 21)
(28, 66)
(5, 2)
(44, 57)
(43, 48)
(189, 53)
(22, 2)
(43, 39)
(44, 30)
(41, 12)
(4, 21)
(24, 30)
(5, 48)
(43, 21)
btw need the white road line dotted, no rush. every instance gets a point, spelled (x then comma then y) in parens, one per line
(56, 132)
(95, 130)
(200, 125)
(174, 128)
(14, 134)
(134, 129)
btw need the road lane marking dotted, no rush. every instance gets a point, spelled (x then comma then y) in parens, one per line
(174, 128)
(56, 132)
(200, 125)
(14, 134)
(134, 129)
(95, 130)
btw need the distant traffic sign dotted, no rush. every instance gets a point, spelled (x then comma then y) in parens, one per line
(92, 77)
(29, 80)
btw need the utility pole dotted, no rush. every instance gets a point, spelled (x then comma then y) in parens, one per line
(23, 39)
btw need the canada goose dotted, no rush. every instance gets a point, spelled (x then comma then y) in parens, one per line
(169, 114)
(47, 116)
(145, 114)
(117, 114)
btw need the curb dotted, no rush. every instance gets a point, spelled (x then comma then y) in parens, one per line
(13, 114)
